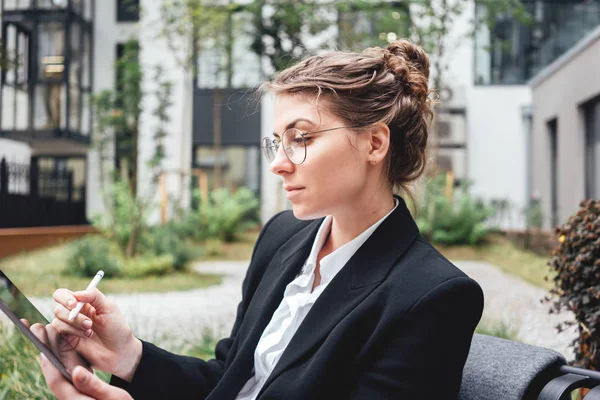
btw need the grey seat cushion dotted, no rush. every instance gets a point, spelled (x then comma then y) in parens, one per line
(508, 370)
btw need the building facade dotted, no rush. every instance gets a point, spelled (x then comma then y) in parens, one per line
(565, 152)
(485, 124)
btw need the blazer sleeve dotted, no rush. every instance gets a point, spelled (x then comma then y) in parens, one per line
(424, 355)
(161, 374)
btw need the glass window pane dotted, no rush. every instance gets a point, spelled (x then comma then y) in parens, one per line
(49, 112)
(52, 3)
(15, 109)
(239, 166)
(74, 108)
(77, 6)
(240, 68)
(128, 10)
(17, 4)
(75, 54)
(51, 50)
(85, 61)
(22, 58)
(85, 114)
(11, 35)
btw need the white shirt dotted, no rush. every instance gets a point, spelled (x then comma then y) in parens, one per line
(297, 302)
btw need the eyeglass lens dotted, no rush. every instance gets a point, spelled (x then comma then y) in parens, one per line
(294, 146)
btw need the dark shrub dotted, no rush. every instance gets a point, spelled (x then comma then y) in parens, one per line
(577, 283)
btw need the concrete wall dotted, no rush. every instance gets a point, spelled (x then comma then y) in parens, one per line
(558, 92)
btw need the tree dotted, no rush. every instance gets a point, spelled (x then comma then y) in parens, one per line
(117, 118)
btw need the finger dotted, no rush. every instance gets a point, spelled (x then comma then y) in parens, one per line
(25, 322)
(66, 329)
(96, 298)
(89, 384)
(39, 330)
(57, 383)
(62, 296)
(81, 321)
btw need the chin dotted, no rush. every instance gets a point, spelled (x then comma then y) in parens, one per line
(305, 213)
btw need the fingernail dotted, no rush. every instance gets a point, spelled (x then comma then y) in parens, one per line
(85, 376)
(87, 324)
(89, 333)
(43, 358)
(71, 303)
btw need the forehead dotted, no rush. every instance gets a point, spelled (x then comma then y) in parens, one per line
(291, 107)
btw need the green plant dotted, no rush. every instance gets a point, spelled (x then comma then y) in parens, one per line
(20, 373)
(138, 267)
(90, 254)
(501, 330)
(576, 260)
(224, 214)
(165, 240)
(534, 214)
(452, 219)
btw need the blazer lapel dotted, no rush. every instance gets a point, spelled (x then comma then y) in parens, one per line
(283, 268)
(368, 267)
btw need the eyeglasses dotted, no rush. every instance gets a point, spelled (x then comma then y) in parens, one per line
(294, 144)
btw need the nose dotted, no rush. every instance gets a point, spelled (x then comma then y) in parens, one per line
(281, 164)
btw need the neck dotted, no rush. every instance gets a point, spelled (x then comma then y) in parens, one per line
(358, 216)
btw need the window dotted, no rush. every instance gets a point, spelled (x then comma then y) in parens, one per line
(226, 59)
(592, 149)
(128, 10)
(512, 52)
(123, 141)
(239, 165)
(553, 133)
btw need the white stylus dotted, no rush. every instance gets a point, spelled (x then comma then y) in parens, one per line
(74, 312)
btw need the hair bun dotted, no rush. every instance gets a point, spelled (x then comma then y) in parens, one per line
(409, 53)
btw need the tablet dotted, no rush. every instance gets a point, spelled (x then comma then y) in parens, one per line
(16, 306)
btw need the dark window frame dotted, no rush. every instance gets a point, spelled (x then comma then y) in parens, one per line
(128, 10)
(552, 127)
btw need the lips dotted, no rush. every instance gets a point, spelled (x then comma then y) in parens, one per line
(292, 188)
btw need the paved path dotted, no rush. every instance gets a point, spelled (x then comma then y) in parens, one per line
(163, 317)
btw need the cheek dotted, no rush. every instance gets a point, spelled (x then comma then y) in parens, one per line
(338, 169)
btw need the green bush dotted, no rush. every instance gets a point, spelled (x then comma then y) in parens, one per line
(89, 255)
(124, 207)
(576, 260)
(224, 215)
(138, 267)
(164, 240)
(452, 219)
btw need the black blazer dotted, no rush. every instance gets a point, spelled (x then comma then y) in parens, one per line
(395, 323)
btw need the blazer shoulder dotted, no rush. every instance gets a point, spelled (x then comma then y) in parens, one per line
(423, 271)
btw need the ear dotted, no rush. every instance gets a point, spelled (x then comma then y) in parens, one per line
(379, 143)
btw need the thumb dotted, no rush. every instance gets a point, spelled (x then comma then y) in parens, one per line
(90, 385)
(95, 297)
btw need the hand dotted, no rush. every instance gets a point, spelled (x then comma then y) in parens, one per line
(100, 333)
(86, 385)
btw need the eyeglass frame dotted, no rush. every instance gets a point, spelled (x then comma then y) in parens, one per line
(303, 134)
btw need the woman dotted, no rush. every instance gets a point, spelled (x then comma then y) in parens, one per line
(343, 299)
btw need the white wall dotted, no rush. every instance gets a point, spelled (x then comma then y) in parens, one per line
(107, 33)
(178, 143)
(496, 136)
(15, 152)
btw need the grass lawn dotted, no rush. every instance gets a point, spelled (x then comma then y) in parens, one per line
(39, 273)
(500, 252)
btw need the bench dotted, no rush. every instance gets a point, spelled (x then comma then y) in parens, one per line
(500, 369)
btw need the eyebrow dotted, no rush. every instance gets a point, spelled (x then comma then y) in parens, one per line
(293, 124)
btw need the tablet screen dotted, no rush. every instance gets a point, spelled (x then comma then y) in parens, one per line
(16, 306)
